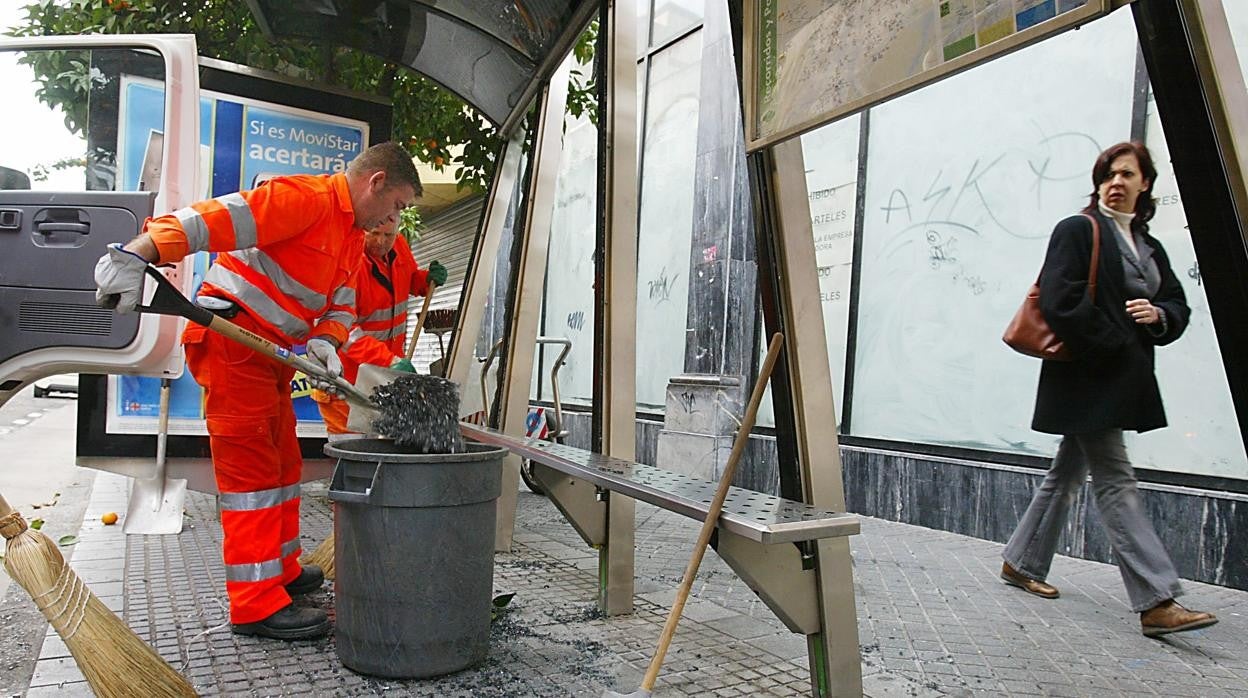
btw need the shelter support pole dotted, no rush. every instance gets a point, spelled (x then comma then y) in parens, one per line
(1200, 96)
(615, 317)
(529, 277)
(804, 402)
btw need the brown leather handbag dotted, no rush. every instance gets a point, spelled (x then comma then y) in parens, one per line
(1029, 333)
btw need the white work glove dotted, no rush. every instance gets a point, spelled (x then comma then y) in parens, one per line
(119, 279)
(323, 353)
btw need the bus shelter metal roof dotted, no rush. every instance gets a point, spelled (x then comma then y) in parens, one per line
(493, 54)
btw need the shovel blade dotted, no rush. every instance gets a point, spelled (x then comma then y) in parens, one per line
(156, 506)
(360, 419)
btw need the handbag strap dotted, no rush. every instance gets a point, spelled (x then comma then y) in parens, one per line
(1096, 256)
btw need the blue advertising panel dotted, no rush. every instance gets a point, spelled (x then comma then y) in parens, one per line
(243, 142)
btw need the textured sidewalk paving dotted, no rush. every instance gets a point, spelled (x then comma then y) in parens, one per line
(934, 619)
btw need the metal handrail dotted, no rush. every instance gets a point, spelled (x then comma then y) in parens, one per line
(560, 432)
(485, 373)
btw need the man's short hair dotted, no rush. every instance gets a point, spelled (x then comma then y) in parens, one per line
(391, 158)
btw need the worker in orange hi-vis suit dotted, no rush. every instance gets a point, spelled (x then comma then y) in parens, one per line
(388, 276)
(288, 252)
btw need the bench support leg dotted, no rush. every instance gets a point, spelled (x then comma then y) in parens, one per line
(605, 521)
(615, 559)
(811, 594)
(835, 660)
(577, 500)
(775, 574)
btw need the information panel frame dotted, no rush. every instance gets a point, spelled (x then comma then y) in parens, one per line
(762, 57)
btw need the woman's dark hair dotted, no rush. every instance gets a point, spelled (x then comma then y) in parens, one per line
(1145, 205)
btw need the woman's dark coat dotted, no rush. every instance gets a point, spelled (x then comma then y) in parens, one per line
(1110, 384)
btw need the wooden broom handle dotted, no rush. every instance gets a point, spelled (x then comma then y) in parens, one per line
(430, 287)
(5, 509)
(712, 514)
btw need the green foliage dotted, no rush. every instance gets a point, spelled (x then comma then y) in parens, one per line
(410, 224)
(40, 172)
(428, 120)
(582, 88)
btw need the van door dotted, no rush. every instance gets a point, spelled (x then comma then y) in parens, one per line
(84, 167)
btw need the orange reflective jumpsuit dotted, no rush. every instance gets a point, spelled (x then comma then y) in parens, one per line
(289, 250)
(382, 288)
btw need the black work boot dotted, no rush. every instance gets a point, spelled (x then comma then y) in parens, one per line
(290, 623)
(308, 581)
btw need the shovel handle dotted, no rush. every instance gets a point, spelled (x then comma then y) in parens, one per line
(420, 321)
(279, 353)
(168, 300)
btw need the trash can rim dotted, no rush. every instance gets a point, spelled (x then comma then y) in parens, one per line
(376, 450)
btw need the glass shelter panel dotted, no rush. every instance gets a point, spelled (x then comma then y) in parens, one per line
(1237, 19)
(673, 17)
(568, 307)
(665, 217)
(965, 181)
(830, 154)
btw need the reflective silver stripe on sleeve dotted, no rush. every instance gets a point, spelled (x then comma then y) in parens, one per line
(345, 295)
(385, 334)
(355, 334)
(385, 313)
(263, 499)
(194, 227)
(254, 571)
(342, 317)
(290, 547)
(256, 299)
(244, 222)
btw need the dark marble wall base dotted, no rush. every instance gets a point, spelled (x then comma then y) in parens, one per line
(986, 500)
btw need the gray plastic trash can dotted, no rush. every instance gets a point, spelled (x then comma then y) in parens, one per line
(414, 556)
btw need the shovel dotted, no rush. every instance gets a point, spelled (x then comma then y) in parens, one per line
(371, 376)
(168, 300)
(156, 503)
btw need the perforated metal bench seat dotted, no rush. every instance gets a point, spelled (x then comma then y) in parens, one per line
(752, 515)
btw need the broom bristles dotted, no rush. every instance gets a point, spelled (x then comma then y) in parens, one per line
(323, 556)
(114, 660)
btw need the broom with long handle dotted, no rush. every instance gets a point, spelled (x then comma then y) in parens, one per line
(114, 660)
(708, 524)
(323, 556)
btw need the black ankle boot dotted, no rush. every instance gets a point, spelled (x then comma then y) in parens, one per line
(290, 623)
(308, 581)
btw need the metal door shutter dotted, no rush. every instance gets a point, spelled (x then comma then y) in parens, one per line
(448, 238)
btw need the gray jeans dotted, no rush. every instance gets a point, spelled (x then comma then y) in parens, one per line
(1147, 571)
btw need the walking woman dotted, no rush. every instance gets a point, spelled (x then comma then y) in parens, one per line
(1108, 388)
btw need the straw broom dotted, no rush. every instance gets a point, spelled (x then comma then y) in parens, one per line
(323, 556)
(113, 659)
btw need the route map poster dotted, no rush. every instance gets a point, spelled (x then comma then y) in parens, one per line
(243, 142)
(812, 61)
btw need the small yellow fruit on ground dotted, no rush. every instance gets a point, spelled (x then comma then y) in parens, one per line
(109, 519)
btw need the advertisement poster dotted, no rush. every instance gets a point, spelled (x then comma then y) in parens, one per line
(243, 142)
